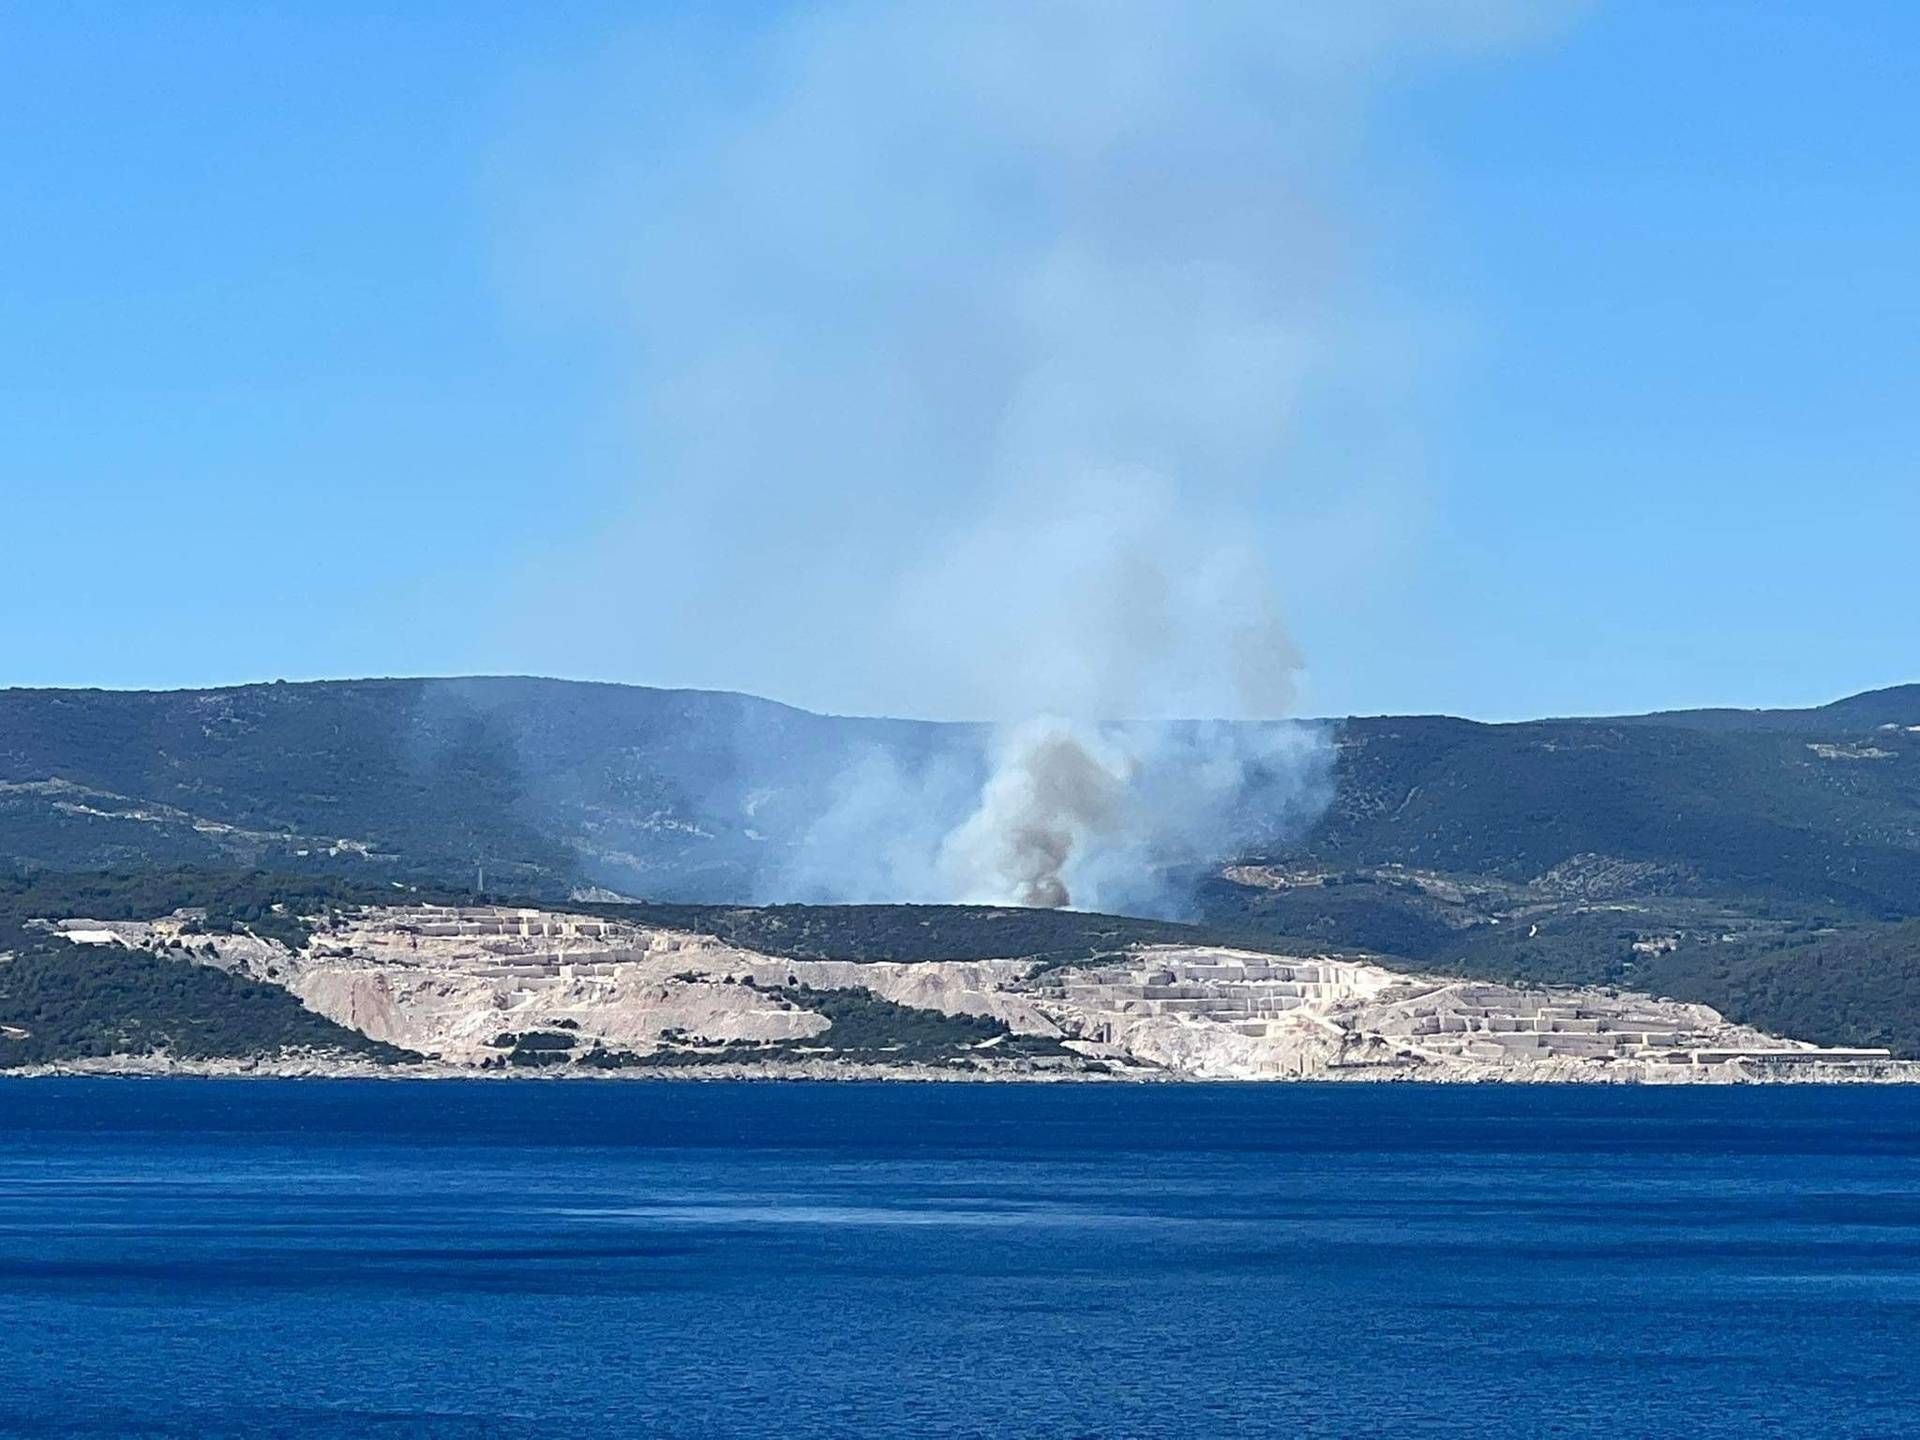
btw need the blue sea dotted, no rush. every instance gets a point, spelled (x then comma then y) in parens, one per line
(343, 1258)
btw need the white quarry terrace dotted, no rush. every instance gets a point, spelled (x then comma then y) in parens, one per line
(457, 985)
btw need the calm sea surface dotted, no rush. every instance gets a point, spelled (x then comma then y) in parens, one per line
(262, 1258)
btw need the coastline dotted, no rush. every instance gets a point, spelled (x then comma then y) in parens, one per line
(1896, 1072)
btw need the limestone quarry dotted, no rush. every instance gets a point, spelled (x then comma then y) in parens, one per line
(487, 989)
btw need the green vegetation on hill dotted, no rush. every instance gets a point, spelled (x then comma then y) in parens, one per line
(538, 782)
(267, 775)
(64, 1002)
(1767, 817)
(1809, 977)
(61, 1001)
(1896, 705)
(1362, 913)
(677, 794)
(1762, 824)
(863, 1024)
(1618, 851)
(235, 901)
(1859, 986)
(925, 932)
(867, 1029)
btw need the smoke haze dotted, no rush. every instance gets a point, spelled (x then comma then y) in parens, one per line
(982, 331)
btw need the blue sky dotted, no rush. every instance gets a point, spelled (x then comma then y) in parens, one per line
(318, 357)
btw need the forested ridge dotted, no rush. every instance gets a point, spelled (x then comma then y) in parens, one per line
(1765, 862)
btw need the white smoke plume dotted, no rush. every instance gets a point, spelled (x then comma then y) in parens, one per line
(1053, 796)
(1096, 816)
(984, 347)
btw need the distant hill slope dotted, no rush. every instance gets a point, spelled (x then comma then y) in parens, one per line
(539, 782)
(686, 795)
(61, 1001)
(1897, 706)
(1822, 818)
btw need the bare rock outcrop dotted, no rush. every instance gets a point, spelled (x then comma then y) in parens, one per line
(462, 984)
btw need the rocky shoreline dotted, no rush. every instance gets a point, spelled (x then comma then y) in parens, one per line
(154, 1067)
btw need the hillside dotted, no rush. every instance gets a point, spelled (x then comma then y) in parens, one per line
(1896, 705)
(539, 782)
(189, 993)
(61, 1001)
(119, 973)
(1821, 819)
(1697, 853)
(682, 795)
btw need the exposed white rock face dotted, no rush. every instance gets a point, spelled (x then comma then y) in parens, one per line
(450, 982)
(1239, 1014)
